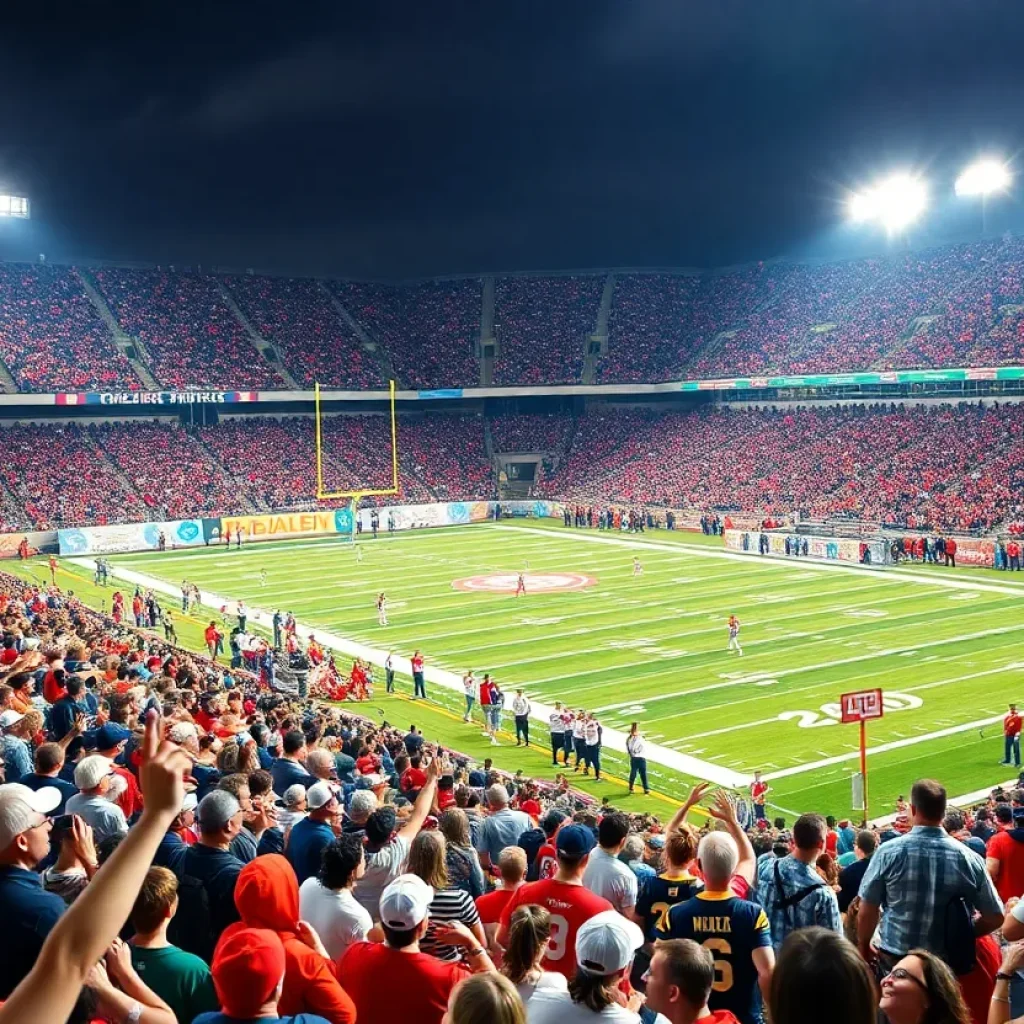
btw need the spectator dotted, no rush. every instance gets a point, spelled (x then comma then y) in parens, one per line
(49, 761)
(852, 875)
(501, 828)
(395, 978)
(529, 934)
(267, 897)
(387, 850)
(16, 751)
(211, 867)
(311, 836)
(679, 982)
(819, 968)
(93, 776)
(463, 864)
(746, 953)
(604, 950)
(327, 903)
(77, 859)
(1005, 858)
(674, 885)
(919, 988)
(450, 904)
(606, 875)
(27, 910)
(486, 999)
(288, 769)
(791, 891)
(179, 836)
(490, 906)
(180, 979)
(564, 896)
(916, 876)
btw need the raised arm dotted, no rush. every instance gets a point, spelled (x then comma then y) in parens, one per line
(691, 801)
(424, 801)
(724, 810)
(92, 922)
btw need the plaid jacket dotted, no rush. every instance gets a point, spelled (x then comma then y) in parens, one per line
(914, 878)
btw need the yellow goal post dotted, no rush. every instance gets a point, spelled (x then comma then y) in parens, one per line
(323, 494)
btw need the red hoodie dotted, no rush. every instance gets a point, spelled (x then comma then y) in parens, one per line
(267, 896)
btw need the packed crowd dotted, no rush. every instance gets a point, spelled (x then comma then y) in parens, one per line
(297, 317)
(179, 844)
(542, 325)
(51, 338)
(429, 330)
(188, 330)
(953, 468)
(528, 432)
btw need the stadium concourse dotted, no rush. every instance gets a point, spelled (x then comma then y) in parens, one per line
(66, 328)
(941, 467)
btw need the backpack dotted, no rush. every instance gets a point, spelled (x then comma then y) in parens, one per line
(531, 841)
(958, 937)
(787, 903)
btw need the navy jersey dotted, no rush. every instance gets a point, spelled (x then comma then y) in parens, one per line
(732, 929)
(659, 895)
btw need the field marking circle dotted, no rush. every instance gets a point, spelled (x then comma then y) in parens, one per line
(536, 582)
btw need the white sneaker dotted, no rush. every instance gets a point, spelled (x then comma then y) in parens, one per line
(485, 733)
(494, 742)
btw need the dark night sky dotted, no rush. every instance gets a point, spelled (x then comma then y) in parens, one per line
(399, 139)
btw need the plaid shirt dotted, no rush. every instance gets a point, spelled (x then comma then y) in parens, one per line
(914, 878)
(816, 908)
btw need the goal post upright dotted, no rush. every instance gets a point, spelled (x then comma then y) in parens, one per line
(324, 495)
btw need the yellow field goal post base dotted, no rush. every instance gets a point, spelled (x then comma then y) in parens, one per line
(354, 496)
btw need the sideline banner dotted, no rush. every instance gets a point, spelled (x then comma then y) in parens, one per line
(801, 546)
(976, 551)
(100, 540)
(287, 524)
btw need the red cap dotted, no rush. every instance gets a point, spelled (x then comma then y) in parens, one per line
(248, 965)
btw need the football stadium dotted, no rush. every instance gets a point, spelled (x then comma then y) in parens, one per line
(359, 599)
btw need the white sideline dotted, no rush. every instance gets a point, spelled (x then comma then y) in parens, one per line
(613, 738)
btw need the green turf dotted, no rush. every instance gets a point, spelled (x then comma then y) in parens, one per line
(652, 649)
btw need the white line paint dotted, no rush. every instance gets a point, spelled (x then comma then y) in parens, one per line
(612, 738)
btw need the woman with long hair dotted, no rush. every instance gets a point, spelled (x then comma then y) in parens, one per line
(529, 933)
(817, 968)
(485, 999)
(464, 871)
(427, 858)
(921, 989)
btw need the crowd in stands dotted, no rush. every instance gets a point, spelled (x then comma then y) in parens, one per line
(190, 333)
(943, 467)
(542, 325)
(526, 432)
(951, 468)
(180, 843)
(51, 337)
(169, 469)
(428, 330)
(298, 318)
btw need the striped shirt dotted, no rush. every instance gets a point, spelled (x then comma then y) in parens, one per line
(448, 905)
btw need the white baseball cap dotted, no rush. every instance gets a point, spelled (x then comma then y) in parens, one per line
(19, 807)
(405, 902)
(320, 794)
(606, 943)
(90, 770)
(9, 717)
(190, 802)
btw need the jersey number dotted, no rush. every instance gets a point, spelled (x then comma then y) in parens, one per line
(559, 935)
(723, 969)
(661, 909)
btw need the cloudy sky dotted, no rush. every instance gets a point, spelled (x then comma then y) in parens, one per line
(404, 139)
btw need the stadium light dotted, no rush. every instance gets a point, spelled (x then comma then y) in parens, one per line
(983, 178)
(13, 206)
(895, 202)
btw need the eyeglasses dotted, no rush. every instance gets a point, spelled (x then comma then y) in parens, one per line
(902, 974)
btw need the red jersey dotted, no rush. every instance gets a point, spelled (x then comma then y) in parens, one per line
(1008, 848)
(387, 984)
(758, 791)
(547, 861)
(570, 906)
(1011, 727)
(492, 905)
(417, 663)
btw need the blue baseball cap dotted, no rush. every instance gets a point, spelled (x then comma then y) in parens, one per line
(110, 735)
(575, 840)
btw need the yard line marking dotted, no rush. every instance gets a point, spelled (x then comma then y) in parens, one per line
(612, 738)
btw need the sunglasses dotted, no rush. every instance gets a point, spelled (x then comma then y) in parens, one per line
(902, 974)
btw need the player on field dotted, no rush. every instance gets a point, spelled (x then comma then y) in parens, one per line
(263, 577)
(359, 553)
(382, 609)
(638, 569)
(736, 932)
(734, 635)
(520, 585)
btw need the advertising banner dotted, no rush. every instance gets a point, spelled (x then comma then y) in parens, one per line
(100, 540)
(801, 546)
(288, 524)
(976, 551)
(154, 397)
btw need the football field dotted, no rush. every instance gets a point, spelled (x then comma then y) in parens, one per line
(944, 646)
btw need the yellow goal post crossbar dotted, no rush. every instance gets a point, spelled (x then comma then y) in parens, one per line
(321, 493)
